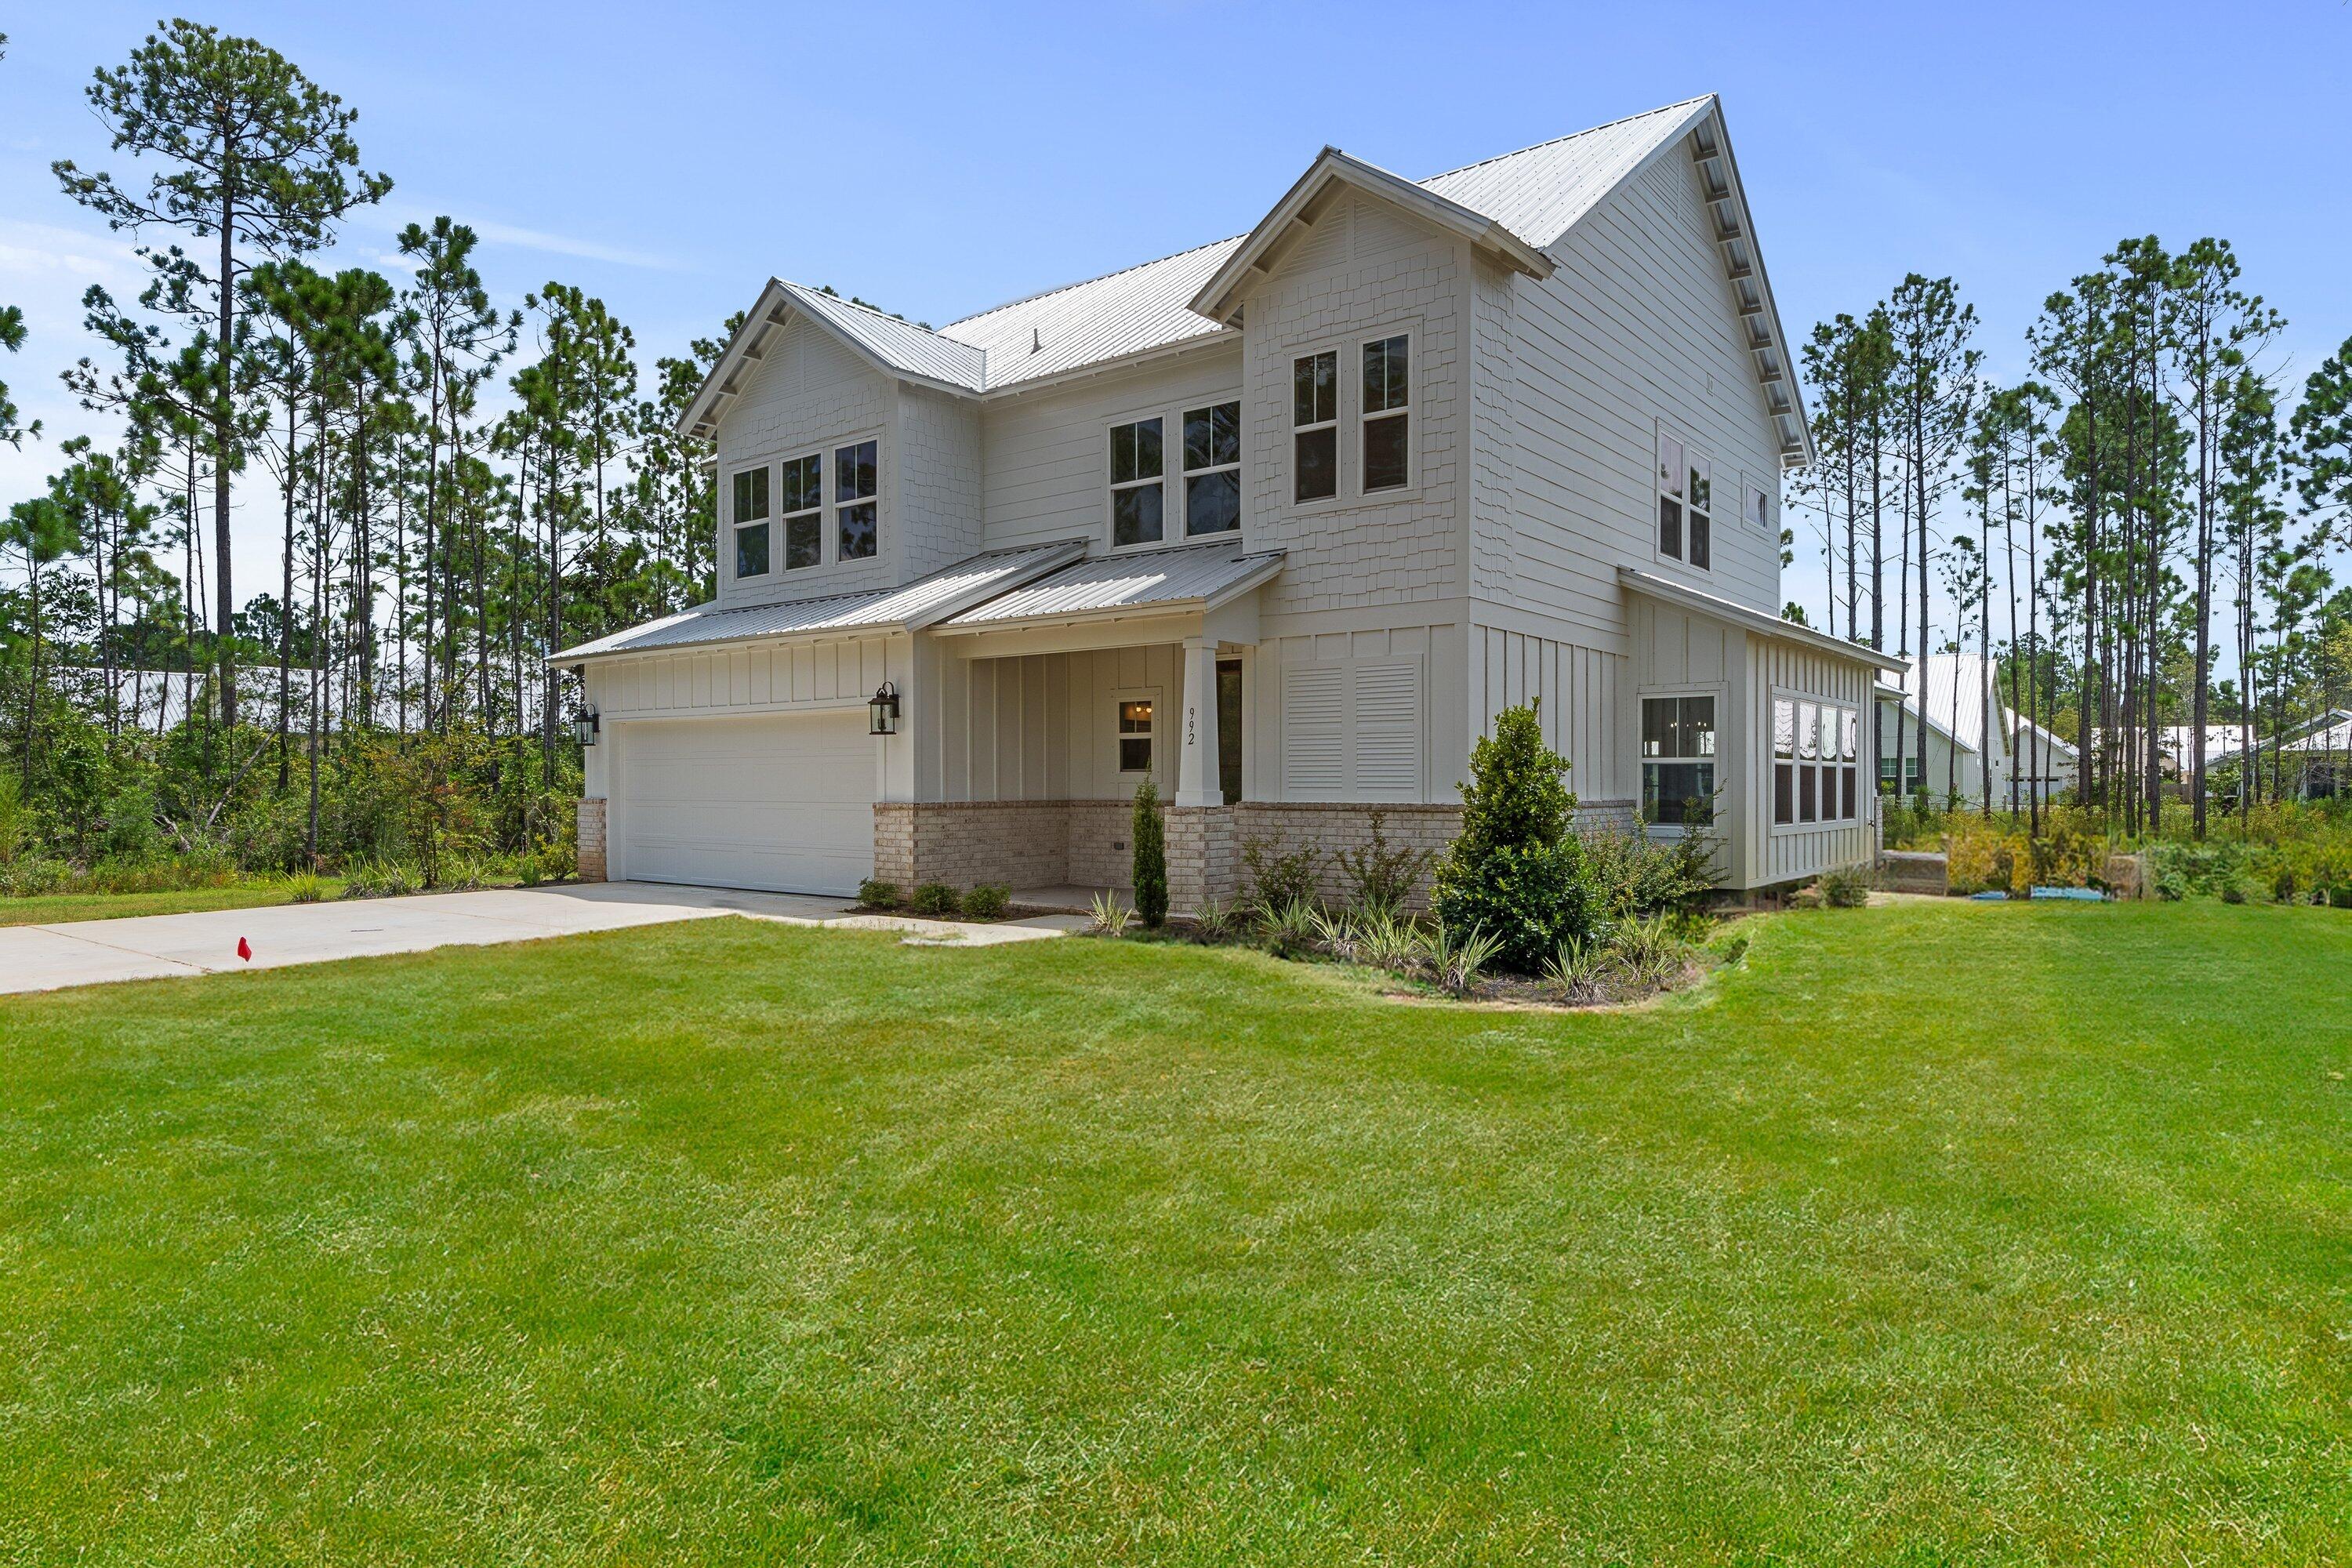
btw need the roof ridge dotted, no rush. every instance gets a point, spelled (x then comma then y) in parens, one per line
(1556, 141)
(1082, 283)
(875, 311)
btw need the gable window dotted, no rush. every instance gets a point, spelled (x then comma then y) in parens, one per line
(1678, 759)
(1315, 426)
(803, 510)
(1685, 504)
(1814, 771)
(750, 516)
(1135, 737)
(1135, 493)
(1759, 507)
(1386, 464)
(1212, 468)
(856, 513)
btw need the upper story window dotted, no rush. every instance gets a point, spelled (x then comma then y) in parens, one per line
(1387, 465)
(1759, 507)
(1136, 478)
(1315, 426)
(1685, 504)
(1813, 762)
(1212, 468)
(803, 510)
(1678, 759)
(857, 514)
(749, 516)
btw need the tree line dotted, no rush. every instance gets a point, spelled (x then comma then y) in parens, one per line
(2151, 494)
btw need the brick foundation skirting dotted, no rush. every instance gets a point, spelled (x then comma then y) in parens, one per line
(591, 819)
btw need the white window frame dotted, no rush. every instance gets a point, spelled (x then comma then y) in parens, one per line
(835, 506)
(735, 524)
(1846, 721)
(1759, 507)
(1186, 473)
(1677, 487)
(1172, 518)
(1336, 425)
(784, 519)
(1643, 697)
(1409, 413)
(1119, 701)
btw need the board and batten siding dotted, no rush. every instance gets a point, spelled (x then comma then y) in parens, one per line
(1799, 850)
(1573, 375)
(1677, 652)
(1576, 691)
(1046, 726)
(1357, 716)
(755, 679)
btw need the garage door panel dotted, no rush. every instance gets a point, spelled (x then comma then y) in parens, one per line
(783, 803)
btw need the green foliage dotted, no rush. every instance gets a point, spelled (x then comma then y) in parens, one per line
(305, 887)
(1632, 874)
(1111, 915)
(1278, 878)
(877, 894)
(987, 902)
(1381, 877)
(1291, 930)
(1515, 873)
(1214, 923)
(1847, 888)
(936, 900)
(1150, 858)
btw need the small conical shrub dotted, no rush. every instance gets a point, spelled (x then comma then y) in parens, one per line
(1151, 858)
(1516, 871)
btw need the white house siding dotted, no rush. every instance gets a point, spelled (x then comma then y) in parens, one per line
(812, 394)
(1048, 453)
(1574, 373)
(1792, 853)
(1675, 653)
(1045, 726)
(1364, 271)
(1358, 716)
(1579, 689)
(939, 467)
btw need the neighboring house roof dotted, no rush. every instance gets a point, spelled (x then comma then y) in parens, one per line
(1958, 687)
(922, 603)
(1106, 586)
(1515, 206)
(1674, 592)
(2328, 732)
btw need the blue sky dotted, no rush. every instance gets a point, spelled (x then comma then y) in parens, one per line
(941, 158)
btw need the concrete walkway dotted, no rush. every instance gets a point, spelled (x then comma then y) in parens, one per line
(147, 947)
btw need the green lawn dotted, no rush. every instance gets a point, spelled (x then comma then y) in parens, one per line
(53, 907)
(1934, 1234)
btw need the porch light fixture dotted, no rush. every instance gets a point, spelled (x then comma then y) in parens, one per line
(883, 710)
(583, 727)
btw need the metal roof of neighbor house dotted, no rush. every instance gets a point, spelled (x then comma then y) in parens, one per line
(1152, 579)
(1959, 685)
(1724, 609)
(922, 603)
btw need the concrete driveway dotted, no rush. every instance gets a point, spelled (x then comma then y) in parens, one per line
(146, 947)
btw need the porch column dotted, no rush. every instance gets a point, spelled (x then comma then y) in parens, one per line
(1199, 781)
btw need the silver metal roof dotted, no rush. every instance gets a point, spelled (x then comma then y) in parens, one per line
(1127, 312)
(1104, 584)
(922, 603)
(1538, 193)
(901, 344)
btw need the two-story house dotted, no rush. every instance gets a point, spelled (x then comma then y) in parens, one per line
(1280, 523)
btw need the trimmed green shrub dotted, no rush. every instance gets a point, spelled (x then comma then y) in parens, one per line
(1516, 872)
(877, 894)
(1380, 877)
(1847, 888)
(1278, 878)
(1151, 858)
(987, 902)
(936, 899)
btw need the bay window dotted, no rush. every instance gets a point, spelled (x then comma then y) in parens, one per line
(1679, 760)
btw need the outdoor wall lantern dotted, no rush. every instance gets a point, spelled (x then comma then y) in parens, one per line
(583, 728)
(884, 709)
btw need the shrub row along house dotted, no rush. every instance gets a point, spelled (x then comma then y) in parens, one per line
(1280, 523)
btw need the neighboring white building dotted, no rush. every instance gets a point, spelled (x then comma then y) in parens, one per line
(1961, 691)
(1280, 523)
(2313, 759)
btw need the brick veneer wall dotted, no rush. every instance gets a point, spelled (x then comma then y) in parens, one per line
(1012, 843)
(591, 821)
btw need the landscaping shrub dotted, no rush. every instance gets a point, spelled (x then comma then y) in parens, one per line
(877, 894)
(1380, 876)
(936, 899)
(1632, 874)
(1292, 930)
(1150, 858)
(1214, 923)
(1847, 888)
(305, 887)
(1278, 878)
(1515, 873)
(1110, 915)
(987, 902)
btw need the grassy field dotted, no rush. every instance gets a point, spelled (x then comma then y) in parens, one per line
(1933, 1234)
(53, 907)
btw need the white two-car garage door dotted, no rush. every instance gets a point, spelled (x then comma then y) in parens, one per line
(784, 804)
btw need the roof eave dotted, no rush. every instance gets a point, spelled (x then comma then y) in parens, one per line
(1757, 621)
(775, 310)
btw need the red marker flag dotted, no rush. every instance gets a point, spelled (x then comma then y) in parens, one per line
(245, 949)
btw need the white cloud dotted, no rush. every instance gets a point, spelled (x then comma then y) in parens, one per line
(521, 238)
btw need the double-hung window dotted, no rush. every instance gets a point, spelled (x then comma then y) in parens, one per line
(1212, 468)
(1387, 446)
(1678, 759)
(751, 519)
(1136, 485)
(856, 510)
(803, 510)
(1685, 504)
(1813, 762)
(1315, 426)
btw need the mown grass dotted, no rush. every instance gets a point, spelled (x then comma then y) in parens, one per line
(1932, 1234)
(50, 908)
